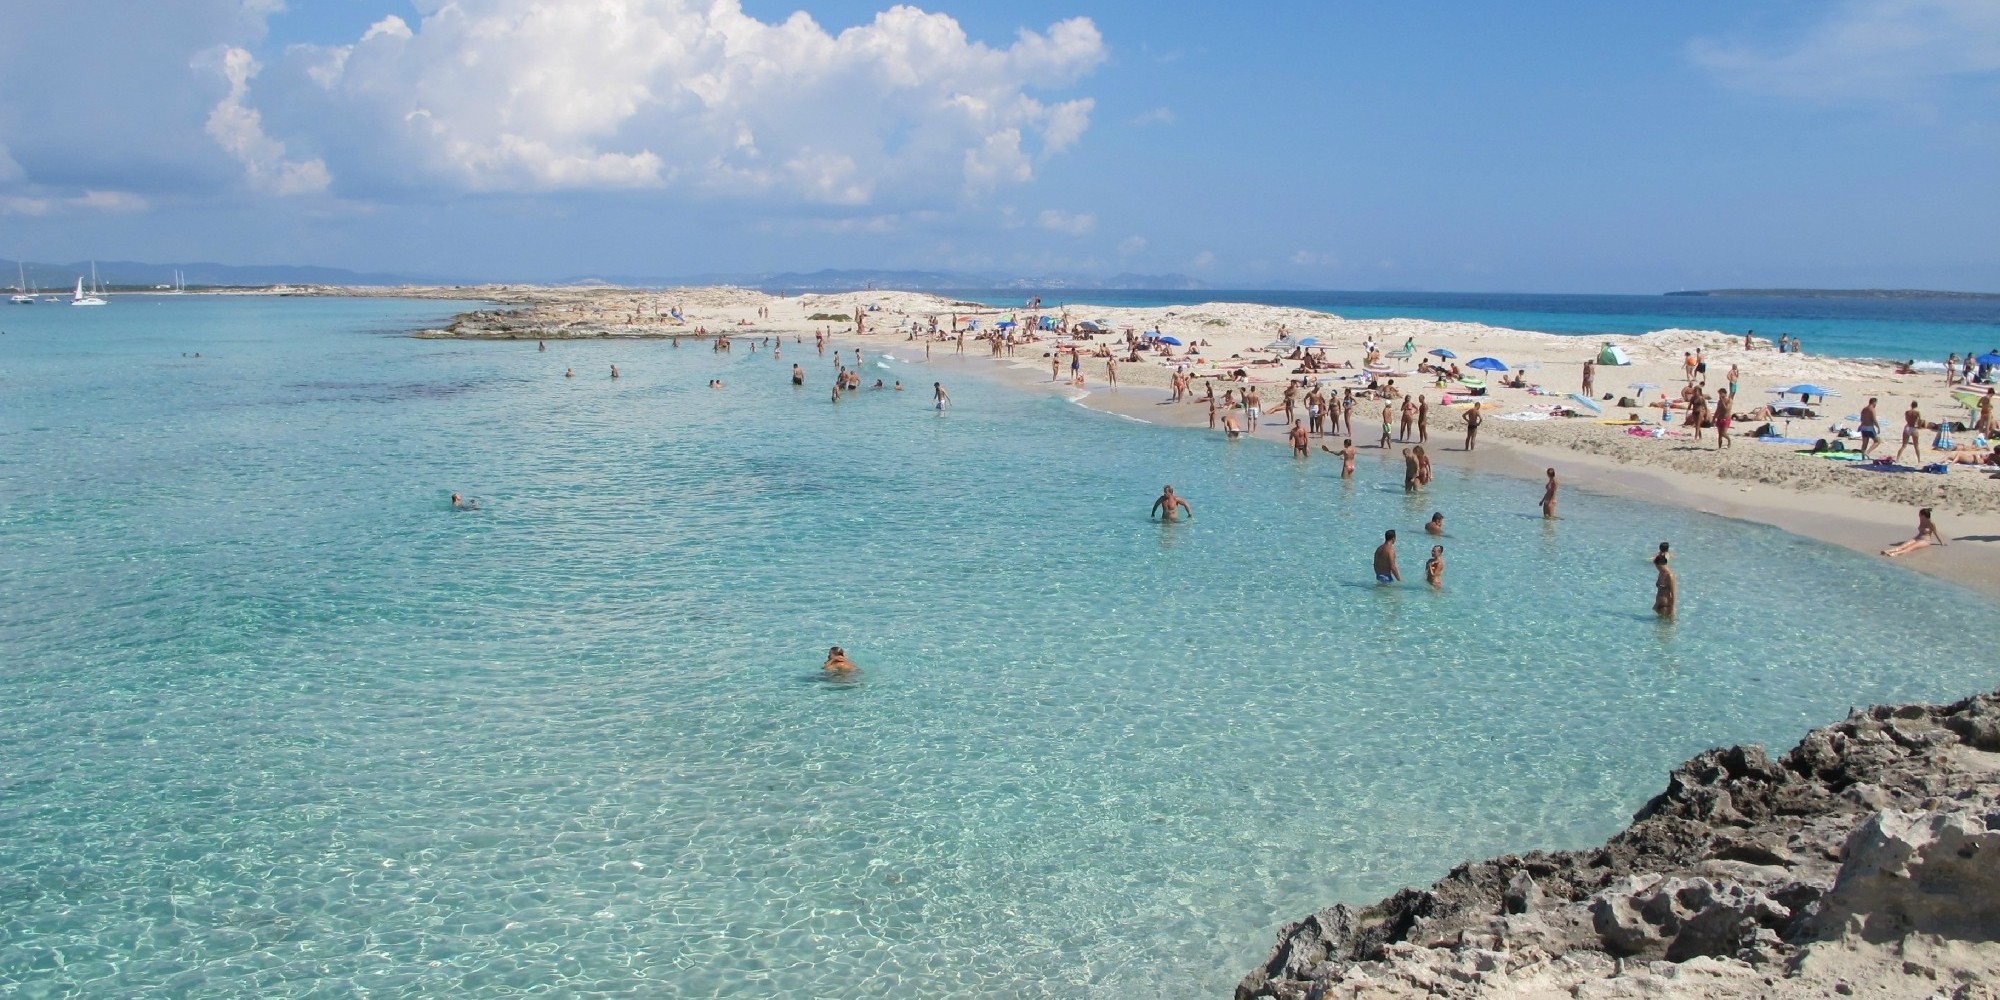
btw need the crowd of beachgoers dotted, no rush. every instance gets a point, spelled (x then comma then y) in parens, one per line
(1744, 408)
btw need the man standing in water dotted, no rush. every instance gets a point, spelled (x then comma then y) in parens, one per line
(1666, 589)
(1298, 436)
(1385, 559)
(1549, 498)
(798, 375)
(1169, 506)
(939, 396)
(1472, 419)
(1409, 471)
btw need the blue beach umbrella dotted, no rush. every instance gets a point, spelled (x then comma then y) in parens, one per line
(1309, 341)
(1176, 341)
(1989, 358)
(1439, 352)
(1487, 364)
(1804, 389)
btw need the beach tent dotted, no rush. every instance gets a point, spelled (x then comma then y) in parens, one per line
(1612, 354)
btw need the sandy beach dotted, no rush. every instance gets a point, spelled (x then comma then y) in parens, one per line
(1526, 430)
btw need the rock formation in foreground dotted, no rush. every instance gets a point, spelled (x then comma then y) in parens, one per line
(1866, 862)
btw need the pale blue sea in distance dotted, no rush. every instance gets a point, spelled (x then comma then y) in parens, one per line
(1894, 329)
(275, 721)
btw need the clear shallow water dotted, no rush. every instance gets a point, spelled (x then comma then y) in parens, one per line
(1922, 329)
(273, 720)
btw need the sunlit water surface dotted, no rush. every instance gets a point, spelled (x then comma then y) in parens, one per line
(275, 721)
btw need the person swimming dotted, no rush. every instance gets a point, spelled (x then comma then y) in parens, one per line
(463, 503)
(837, 662)
(1435, 525)
(569, 373)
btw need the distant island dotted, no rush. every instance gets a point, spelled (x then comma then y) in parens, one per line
(1838, 293)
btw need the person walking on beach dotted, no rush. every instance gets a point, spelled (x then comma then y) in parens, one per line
(1434, 568)
(1169, 506)
(1300, 449)
(1111, 372)
(1549, 498)
(1985, 425)
(1211, 411)
(1871, 428)
(1253, 408)
(1347, 409)
(1472, 419)
(1927, 535)
(1423, 420)
(1055, 366)
(1589, 377)
(1913, 430)
(1388, 415)
(1409, 471)
(1666, 588)
(1725, 401)
(1385, 560)
(938, 396)
(1409, 419)
(1076, 367)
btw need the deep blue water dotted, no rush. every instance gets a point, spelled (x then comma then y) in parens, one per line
(276, 721)
(1921, 329)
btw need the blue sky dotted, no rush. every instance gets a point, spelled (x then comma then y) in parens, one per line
(1440, 146)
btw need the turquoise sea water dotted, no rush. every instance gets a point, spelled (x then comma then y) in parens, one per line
(275, 721)
(1899, 329)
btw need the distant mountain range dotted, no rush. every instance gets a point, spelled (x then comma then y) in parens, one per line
(129, 275)
(1837, 293)
(132, 274)
(923, 281)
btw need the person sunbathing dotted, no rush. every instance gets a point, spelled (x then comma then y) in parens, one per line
(1970, 456)
(1927, 535)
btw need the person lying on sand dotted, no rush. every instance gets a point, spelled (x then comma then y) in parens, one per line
(1970, 456)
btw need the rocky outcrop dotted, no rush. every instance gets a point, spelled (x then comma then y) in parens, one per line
(1865, 861)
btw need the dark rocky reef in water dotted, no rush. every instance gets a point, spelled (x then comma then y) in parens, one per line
(1865, 860)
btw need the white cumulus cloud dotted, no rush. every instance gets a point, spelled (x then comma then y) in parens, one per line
(1865, 49)
(1058, 221)
(527, 95)
(1131, 245)
(239, 130)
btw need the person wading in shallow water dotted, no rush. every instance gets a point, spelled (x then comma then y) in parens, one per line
(1385, 560)
(1666, 587)
(1169, 506)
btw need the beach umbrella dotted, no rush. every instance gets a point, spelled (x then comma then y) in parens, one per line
(1806, 389)
(1169, 340)
(1487, 364)
(1308, 342)
(1439, 352)
(1989, 358)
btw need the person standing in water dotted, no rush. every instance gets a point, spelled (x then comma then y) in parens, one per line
(1409, 471)
(614, 371)
(798, 375)
(1435, 526)
(1549, 498)
(1666, 588)
(837, 662)
(1434, 568)
(1385, 560)
(938, 396)
(1169, 506)
(1300, 449)
(1346, 454)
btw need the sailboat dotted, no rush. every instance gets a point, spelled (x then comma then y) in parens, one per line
(80, 299)
(21, 296)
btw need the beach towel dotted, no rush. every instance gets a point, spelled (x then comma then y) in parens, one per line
(1882, 467)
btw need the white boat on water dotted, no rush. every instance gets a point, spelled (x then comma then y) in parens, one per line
(80, 299)
(22, 297)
